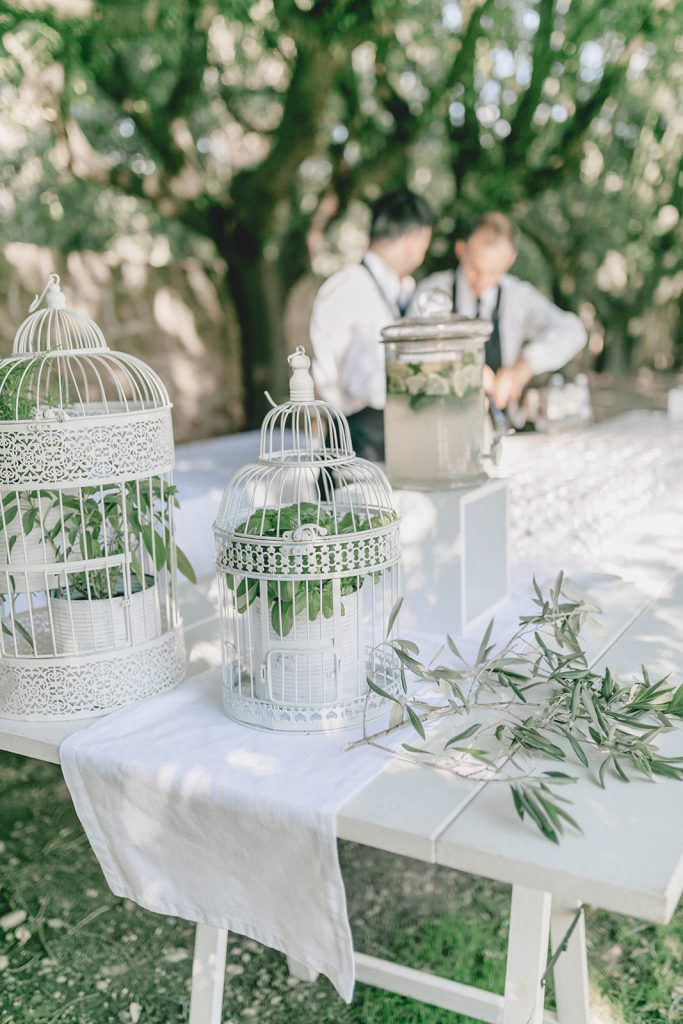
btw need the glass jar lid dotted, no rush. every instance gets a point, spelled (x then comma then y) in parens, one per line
(416, 328)
(435, 320)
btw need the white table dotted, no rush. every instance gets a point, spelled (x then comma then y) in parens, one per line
(617, 865)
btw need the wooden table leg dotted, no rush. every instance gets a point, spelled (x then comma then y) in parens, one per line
(571, 970)
(300, 971)
(208, 975)
(527, 956)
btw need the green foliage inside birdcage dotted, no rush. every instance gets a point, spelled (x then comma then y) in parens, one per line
(289, 598)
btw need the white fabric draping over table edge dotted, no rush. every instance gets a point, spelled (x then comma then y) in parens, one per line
(193, 815)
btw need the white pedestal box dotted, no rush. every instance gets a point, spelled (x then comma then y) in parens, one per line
(454, 556)
(675, 405)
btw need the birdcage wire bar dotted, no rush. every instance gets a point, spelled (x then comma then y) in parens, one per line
(88, 561)
(307, 565)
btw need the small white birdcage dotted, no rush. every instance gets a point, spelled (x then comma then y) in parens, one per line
(88, 561)
(307, 552)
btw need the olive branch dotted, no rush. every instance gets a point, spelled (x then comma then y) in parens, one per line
(535, 696)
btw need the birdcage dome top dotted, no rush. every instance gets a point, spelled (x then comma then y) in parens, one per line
(308, 482)
(304, 431)
(62, 368)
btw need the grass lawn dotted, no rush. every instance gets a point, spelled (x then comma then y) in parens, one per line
(72, 953)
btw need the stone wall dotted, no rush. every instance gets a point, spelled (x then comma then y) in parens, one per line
(176, 317)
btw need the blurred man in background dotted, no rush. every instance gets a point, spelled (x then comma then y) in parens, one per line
(530, 334)
(353, 306)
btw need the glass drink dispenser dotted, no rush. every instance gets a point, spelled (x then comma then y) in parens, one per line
(434, 417)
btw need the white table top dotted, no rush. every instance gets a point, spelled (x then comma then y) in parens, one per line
(630, 858)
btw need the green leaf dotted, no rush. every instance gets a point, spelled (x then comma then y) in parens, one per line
(409, 662)
(519, 803)
(601, 772)
(557, 589)
(382, 693)
(552, 811)
(404, 680)
(537, 812)
(567, 817)
(10, 516)
(29, 520)
(662, 767)
(483, 646)
(464, 735)
(675, 705)
(393, 615)
(538, 592)
(589, 705)
(575, 699)
(415, 721)
(405, 645)
(519, 694)
(184, 565)
(328, 599)
(282, 617)
(451, 643)
(314, 602)
(148, 538)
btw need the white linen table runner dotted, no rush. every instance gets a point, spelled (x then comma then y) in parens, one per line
(193, 815)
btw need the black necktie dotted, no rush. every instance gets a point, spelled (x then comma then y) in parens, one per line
(493, 353)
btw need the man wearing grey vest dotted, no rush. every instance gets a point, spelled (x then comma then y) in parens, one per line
(530, 334)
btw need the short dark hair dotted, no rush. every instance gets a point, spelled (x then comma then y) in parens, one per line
(493, 222)
(397, 213)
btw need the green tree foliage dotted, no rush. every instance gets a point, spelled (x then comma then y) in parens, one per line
(248, 130)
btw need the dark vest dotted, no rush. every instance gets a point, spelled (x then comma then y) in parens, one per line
(493, 348)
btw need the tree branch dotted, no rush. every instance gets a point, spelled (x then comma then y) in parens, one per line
(542, 59)
(466, 137)
(258, 189)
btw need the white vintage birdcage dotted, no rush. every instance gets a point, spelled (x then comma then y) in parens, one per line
(307, 552)
(88, 562)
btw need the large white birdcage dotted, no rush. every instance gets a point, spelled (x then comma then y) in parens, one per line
(88, 562)
(307, 552)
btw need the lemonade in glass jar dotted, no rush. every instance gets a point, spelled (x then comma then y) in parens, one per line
(434, 412)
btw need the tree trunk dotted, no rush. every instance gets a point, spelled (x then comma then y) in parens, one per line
(257, 291)
(615, 355)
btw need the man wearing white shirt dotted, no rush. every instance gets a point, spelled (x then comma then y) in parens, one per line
(530, 334)
(353, 306)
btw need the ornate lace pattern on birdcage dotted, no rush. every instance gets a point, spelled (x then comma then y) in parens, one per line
(34, 454)
(358, 553)
(47, 689)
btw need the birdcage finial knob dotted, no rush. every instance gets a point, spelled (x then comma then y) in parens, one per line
(52, 293)
(301, 382)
